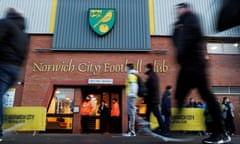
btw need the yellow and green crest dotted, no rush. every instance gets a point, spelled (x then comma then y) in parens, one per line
(101, 20)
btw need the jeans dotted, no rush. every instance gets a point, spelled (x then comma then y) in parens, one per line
(131, 109)
(8, 76)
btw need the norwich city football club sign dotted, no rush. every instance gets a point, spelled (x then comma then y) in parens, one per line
(101, 20)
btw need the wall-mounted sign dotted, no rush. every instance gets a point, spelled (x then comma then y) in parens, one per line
(101, 20)
(100, 81)
(69, 65)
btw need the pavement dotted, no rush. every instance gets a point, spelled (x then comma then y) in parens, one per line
(28, 138)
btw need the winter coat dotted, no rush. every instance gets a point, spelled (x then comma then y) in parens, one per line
(228, 110)
(229, 15)
(166, 103)
(103, 111)
(152, 86)
(187, 39)
(13, 40)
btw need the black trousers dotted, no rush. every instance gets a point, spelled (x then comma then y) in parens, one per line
(196, 77)
(84, 123)
(115, 124)
(103, 124)
(155, 109)
(230, 125)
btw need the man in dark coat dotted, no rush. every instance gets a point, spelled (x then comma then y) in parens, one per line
(190, 55)
(13, 51)
(153, 98)
(166, 107)
(104, 116)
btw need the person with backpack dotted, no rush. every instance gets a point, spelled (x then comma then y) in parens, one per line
(153, 98)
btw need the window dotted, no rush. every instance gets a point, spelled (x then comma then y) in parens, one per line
(232, 90)
(62, 101)
(223, 48)
(60, 110)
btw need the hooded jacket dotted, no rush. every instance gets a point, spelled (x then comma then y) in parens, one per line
(152, 87)
(13, 40)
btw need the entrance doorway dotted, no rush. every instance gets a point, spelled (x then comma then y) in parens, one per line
(60, 110)
(98, 94)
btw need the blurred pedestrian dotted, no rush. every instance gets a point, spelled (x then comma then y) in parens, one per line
(153, 98)
(166, 107)
(228, 115)
(229, 15)
(14, 44)
(190, 55)
(132, 98)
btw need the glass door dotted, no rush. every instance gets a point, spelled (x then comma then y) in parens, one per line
(98, 94)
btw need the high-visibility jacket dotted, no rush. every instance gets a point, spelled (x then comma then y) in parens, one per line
(115, 111)
(131, 84)
(87, 108)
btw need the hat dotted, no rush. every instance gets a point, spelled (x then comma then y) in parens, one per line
(150, 66)
(168, 87)
(13, 10)
(182, 5)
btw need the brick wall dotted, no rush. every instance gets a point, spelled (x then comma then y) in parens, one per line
(76, 67)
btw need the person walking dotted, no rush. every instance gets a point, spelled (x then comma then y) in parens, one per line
(166, 107)
(190, 55)
(153, 98)
(115, 114)
(228, 115)
(132, 98)
(86, 111)
(14, 45)
(104, 115)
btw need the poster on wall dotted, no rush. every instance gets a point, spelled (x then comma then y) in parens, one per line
(8, 98)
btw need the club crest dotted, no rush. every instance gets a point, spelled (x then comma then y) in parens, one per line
(101, 20)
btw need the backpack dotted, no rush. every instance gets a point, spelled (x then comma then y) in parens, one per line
(141, 87)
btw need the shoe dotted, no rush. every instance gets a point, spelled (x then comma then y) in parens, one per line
(129, 134)
(157, 130)
(217, 139)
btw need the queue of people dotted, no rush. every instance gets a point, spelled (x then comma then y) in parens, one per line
(162, 111)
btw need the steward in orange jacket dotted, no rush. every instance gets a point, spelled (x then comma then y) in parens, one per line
(86, 111)
(115, 111)
(87, 107)
(115, 114)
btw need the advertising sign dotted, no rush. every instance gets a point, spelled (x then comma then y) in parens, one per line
(31, 118)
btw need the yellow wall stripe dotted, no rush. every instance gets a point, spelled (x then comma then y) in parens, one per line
(53, 15)
(151, 16)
